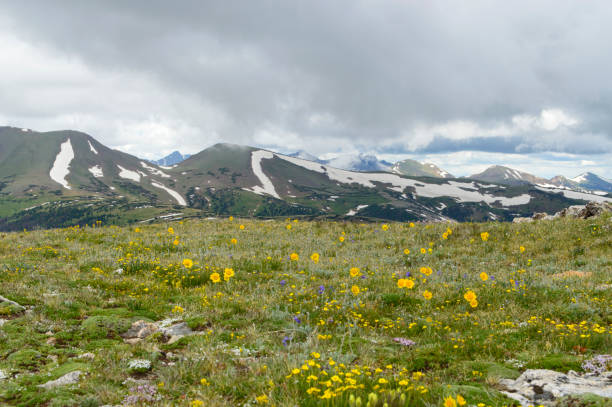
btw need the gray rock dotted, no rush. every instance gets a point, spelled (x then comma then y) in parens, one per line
(3, 375)
(572, 211)
(176, 331)
(13, 303)
(142, 329)
(540, 386)
(539, 215)
(2, 322)
(68, 378)
(139, 330)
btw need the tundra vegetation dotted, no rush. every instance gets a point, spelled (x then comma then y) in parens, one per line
(290, 312)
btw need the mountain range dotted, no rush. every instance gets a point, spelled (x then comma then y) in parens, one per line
(64, 178)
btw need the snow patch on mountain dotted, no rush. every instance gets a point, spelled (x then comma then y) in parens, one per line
(91, 147)
(461, 191)
(580, 178)
(266, 184)
(568, 193)
(60, 169)
(127, 174)
(154, 171)
(179, 198)
(96, 170)
(353, 212)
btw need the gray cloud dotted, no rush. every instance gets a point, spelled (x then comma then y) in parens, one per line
(320, 75)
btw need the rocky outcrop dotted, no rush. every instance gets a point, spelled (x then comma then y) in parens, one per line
(576, 211)
(171, 331)
(544, 387)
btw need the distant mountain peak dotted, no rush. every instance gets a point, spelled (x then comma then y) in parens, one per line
(173, 158)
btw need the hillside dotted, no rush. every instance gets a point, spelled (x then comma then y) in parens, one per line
(234, 312)
(413, 168)
(65, 178)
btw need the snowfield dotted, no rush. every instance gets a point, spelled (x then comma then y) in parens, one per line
(267, 186)
(460, 191)
(96, 170)
(179, 198)
(127, 174)
(154, 171)
(91, 147)
(60, 169)
(568, 193)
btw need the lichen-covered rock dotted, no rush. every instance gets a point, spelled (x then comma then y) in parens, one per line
(139, 330)
(68, 378)
(594, 209)
(522, 220)
(543, 387)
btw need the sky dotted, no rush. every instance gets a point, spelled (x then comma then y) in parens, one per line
(461, 84)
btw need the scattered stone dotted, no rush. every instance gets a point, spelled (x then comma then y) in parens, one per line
(543, 387)
(51, 341)
(3, 375)
(69, 378)
(88, 356)
(53, 358)
(539, 215)
(2, 322)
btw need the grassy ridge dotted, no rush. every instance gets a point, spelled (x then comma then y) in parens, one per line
(291, 327)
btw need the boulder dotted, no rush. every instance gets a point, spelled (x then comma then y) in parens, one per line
(142, 329)
(69, 378)
(139, 330)
(544, 387)
(594, 209)
(539, 215)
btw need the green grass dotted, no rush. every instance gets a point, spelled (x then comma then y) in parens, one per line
(294, 332)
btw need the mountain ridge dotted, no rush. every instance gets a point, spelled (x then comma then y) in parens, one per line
(92, 180)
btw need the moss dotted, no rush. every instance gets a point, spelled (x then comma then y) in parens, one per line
(99, 327)
(584, 400)
(26, 359)
(558, 362)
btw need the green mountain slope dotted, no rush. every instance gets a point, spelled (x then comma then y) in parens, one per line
(66, 177)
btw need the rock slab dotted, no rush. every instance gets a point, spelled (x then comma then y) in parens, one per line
(68, 378)
(543, 387)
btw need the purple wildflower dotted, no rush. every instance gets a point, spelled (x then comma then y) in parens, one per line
(404, 341)
(321, 289)
(297, 320)
(283, 282)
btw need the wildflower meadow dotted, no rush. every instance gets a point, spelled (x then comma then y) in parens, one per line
(301, 313)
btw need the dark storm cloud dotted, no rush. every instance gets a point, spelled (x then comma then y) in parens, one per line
(326, 74)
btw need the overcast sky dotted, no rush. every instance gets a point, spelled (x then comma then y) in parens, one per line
(461, 84)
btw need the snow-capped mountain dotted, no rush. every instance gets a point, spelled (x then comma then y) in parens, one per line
(173, 158)
(63, 178)
(587, 182)
(593, 182)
